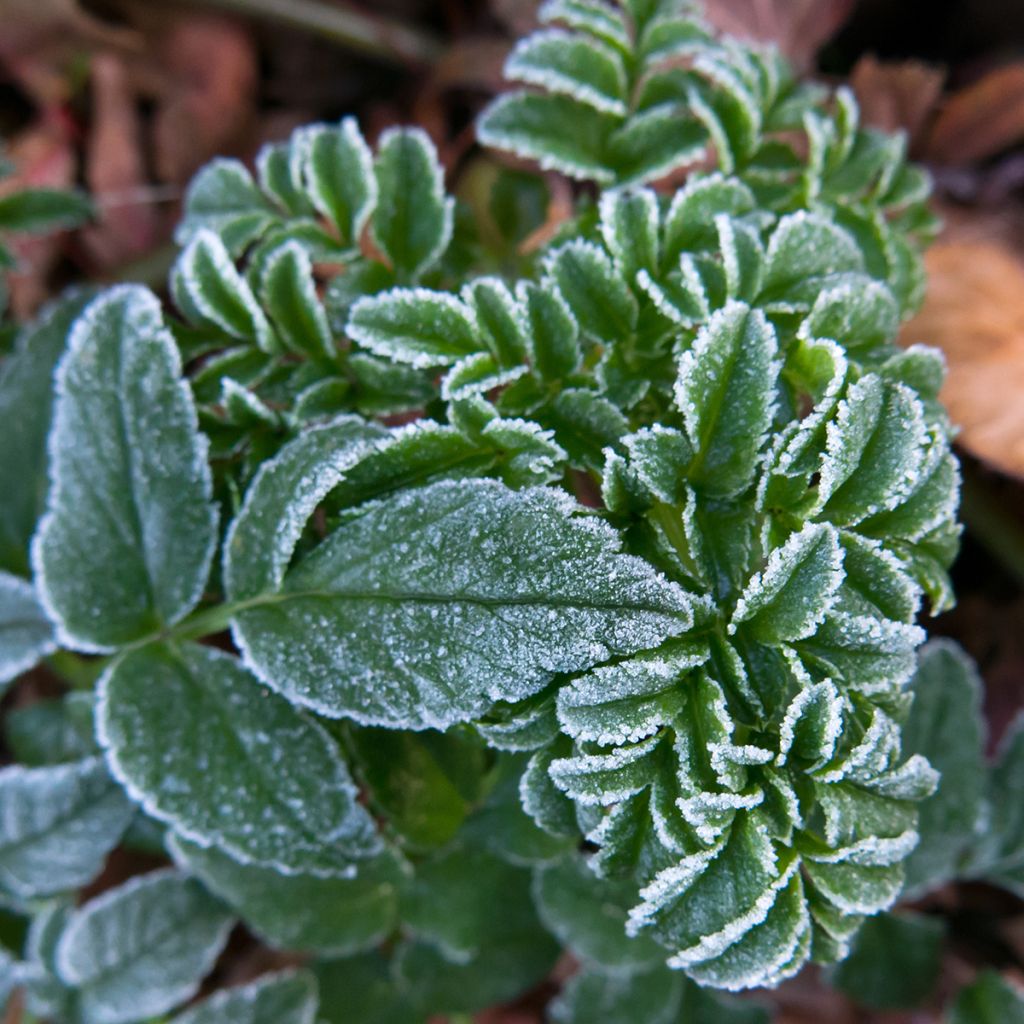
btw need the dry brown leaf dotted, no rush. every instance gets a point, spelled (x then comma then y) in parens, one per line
(799, 27)
(974, 312)
(115, 169)
(896, 95)
(981, 120)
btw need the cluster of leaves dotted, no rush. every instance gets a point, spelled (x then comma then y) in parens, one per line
(619, 552)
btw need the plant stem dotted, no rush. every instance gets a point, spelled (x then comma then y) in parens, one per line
(372, 35)
(992, 527)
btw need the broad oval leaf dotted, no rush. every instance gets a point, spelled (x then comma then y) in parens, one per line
(126, 542)
(57, 825)
(245, 770)
(422, 609)
(141, 949)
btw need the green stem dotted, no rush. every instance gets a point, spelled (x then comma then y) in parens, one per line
(372, 35)
(992, 526)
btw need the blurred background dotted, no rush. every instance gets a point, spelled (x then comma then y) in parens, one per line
(128, 98)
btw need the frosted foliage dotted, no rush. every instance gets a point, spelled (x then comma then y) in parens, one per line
(286, 998)
(247, 771)
(423, 609)
(282, 497)
(141, 949)
(327, 916)
(57, 825)
(129, 531)
(26, 634)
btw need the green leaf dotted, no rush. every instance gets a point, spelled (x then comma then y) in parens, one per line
(560, 133)
(630, 227)
(415, 326)
(279, 167)
(26, 635)
(26, 400)
(411, 778)
(857, 314)
(43, 209)
(894, 962)
(49, 732)
(690, 220)
(652, 996)
(126, 542)
(461, 961)
(588, 914)
(803, 250)
(412, 224)
(58, 825)
(338, 173)
(875, 452)
(519, 585)
(726, 393)
(990, 999)
(946, 726)
(596, 295)
(289, 295)
(361, 990)
(791, 596)
(553, 331)
(224, 199)
(248, 771)
(652, 144)
(570, 64)
(298, 912)
(141, 949)
(286, 998)
(210, 291)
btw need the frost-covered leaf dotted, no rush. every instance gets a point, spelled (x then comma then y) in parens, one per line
(273, 999)
(690, 220)
(796, 588)
(484, 580)
(803, 250)
(129, 531)
(338, 174)
(223, 198)
(588, 914)
(629, 701)
(572, 65)
(209, 290)
(858, 314)
(26, 400)
(553, 338)
(412, 223)
(875, 452)
(326, 916)
(946, 726)
(26, 634)
(559, 132)
(289, 295)
(630, 227)
(50, 732)
(894, 962)
(58, 825)
(141, 949)
(415, 326)
(597, 296)
(726, 393)
(247, 771)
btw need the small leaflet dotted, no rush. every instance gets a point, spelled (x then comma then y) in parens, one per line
(285, 998)
(126, 542)
(141, 949)
(58, 824)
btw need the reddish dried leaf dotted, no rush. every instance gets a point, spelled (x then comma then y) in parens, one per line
(897, 95)
(981, 120)
(799, 27)
(974, 312)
